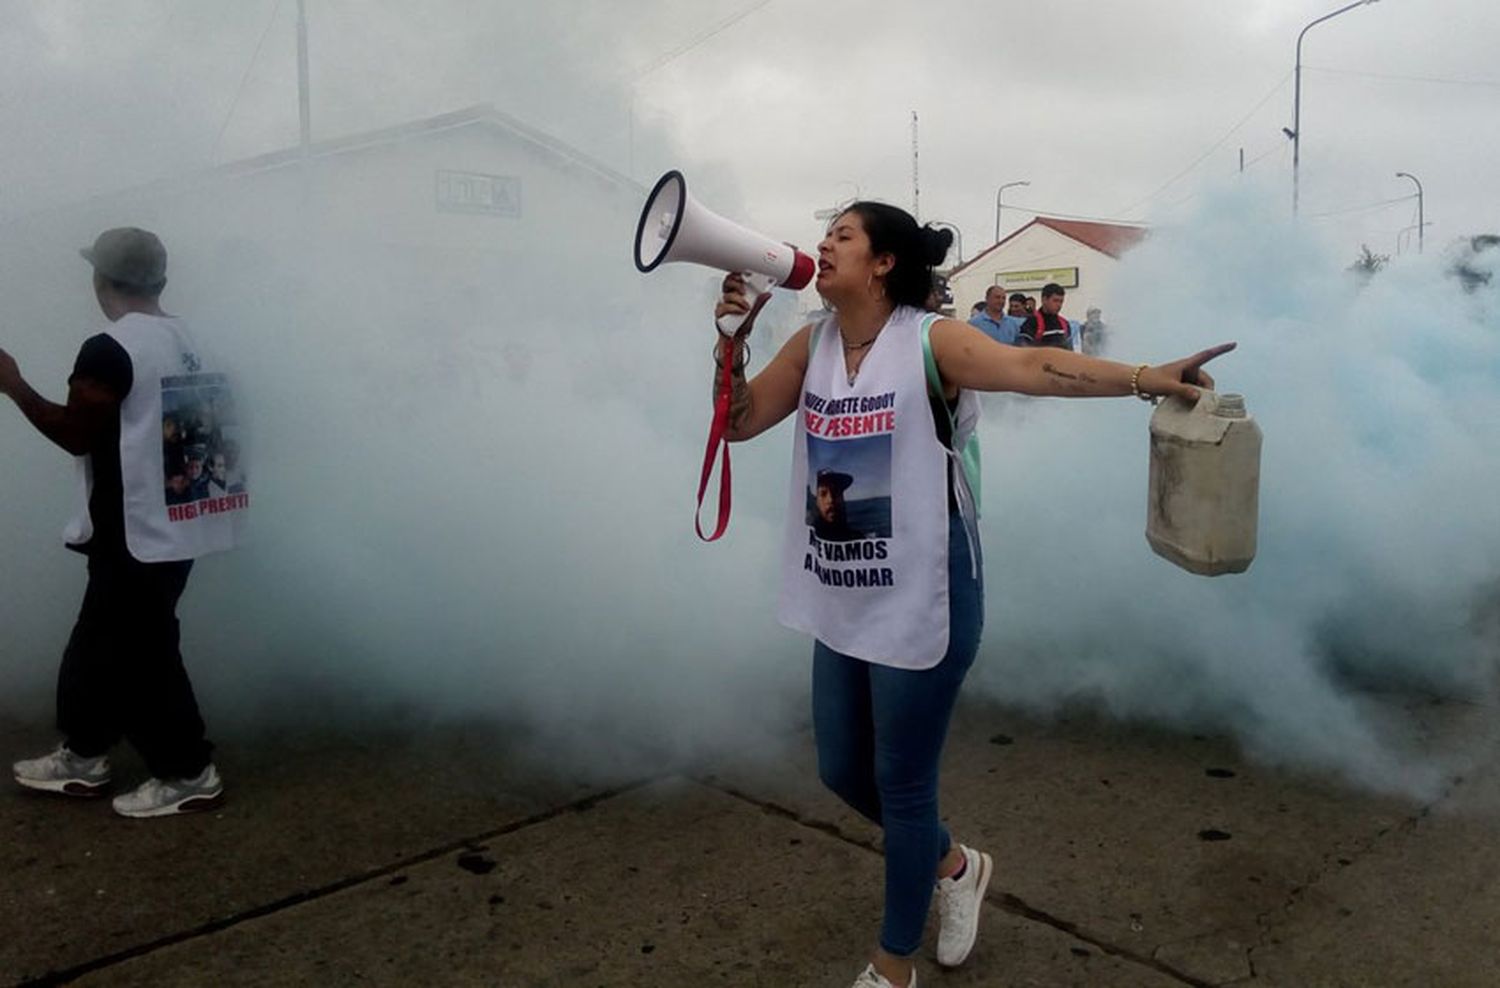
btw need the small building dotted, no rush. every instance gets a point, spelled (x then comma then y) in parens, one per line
(446, 223)
(1079, 255)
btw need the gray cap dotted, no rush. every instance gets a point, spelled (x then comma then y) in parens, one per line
(129, 255)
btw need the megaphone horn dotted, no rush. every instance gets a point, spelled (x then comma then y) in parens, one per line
(676, 227)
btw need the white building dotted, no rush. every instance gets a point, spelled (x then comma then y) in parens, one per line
(473, 215)
(1080, 256)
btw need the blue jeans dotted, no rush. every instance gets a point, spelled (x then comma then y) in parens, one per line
(880, 734)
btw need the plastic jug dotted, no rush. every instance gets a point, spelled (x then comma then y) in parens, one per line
(1204, 495)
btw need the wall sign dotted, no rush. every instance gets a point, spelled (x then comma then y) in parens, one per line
(474, 192)
(1037, 278)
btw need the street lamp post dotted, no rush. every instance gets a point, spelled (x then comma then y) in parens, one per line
(1420, 218)
(1001, 191)
(1297, 94)
(958, 238)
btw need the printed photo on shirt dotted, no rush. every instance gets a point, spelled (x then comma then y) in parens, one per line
(849, 488)
(200, 440)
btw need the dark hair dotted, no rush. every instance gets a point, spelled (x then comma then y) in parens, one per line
(136, 291)
(917, 249)
(1052, 288)
(1017, 297)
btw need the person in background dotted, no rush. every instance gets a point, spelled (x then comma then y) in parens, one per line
(992, 319)
(1047, 327)
(122, 674)
(1093, 333)
(940, 295)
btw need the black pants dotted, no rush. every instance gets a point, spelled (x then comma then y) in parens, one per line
(122, 673)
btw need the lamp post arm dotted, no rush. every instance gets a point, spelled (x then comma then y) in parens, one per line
(998, 193)
(1421, 218)
(1297, 93)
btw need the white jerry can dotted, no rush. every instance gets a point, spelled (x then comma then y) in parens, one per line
(1204, 495)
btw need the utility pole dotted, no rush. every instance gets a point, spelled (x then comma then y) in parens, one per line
(1421, 224)
(1296, 131)
(998, 193)
(916, 193)
(304, 95)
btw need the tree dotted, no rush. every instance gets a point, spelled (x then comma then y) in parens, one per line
(1467, 264)
(1368, 262)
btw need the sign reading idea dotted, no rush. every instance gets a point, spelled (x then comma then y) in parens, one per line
(473, 192)
(1022, 280)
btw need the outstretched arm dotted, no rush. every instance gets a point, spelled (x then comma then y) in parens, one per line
(75, 426)
(966, 358)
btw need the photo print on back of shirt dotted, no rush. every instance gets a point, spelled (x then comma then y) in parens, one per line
(200, 444)
(849, 488)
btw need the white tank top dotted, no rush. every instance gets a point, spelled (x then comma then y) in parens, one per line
(180, 456)
(865, 558)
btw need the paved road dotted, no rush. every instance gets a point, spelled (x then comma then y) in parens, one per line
(1125, 857)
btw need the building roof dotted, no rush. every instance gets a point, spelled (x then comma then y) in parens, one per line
(1107, 238)
(482, 115)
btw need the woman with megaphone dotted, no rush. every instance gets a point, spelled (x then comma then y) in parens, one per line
(886, 401)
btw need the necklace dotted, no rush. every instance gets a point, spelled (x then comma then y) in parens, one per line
(855, 348)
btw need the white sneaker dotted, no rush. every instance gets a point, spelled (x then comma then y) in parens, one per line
(168, 797)
(64, 772)
(958, 907)
(872, 978)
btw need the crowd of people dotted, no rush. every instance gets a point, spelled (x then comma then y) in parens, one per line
(1019, 320)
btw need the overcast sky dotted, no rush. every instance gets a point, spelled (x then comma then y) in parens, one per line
(1103, 107)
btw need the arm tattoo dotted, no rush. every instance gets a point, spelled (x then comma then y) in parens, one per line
(739, 399)
(1076, 383)
(739, 389)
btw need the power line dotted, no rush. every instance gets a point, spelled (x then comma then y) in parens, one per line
(1364, 208)
(1491, 83)
(1281, 147)
(1212, 148)
(213, 154)
(688, 46)
(1073, 216)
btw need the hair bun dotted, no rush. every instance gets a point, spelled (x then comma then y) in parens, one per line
(935, 244)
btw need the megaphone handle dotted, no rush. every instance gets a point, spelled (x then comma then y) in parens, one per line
(716, 439)
(756, 285)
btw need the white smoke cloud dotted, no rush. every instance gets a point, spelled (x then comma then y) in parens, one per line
(1379, 539)
(473, 464)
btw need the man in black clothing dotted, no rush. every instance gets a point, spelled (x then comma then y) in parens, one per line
(122, 674)
(1047, 327)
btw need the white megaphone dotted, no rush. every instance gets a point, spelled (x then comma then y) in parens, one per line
(676, 227)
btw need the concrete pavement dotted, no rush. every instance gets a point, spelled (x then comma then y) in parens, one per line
(1124, 857)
